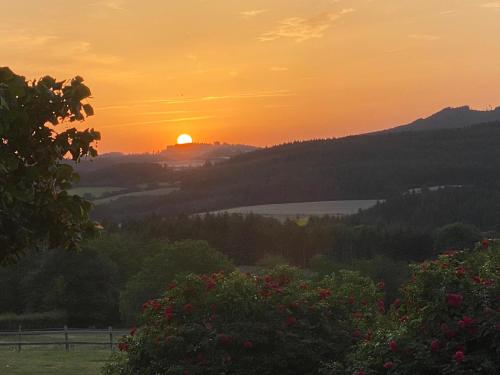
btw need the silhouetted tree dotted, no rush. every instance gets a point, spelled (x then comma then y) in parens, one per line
(35, 209)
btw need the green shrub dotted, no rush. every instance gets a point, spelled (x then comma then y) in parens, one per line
(244, 324)
(157, 271)
(51, 319)
(448, 321)
(84, 284)
(456, 236)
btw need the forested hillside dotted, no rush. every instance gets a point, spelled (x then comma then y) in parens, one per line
(372, 166)
(451, 118)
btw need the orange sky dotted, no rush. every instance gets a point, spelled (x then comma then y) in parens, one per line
(257, 71)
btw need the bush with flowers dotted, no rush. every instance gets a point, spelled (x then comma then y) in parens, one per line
(447, 321)
(237, 323)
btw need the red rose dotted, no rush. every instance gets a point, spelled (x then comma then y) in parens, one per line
(172, 286)
(451, 333)
(381, 306)
(224, 339)
(393, 345)
(188, 308)
(435, 345)
(361, 372)
(133, 330)
(209, 285)
(324, 293)
(248, 344)
(460, 272)
(123, 347)
(454, 300)
(477, 279)
(388, 365)
(290, 321)
(381, 285)
(397, 302)
(459, 356)
(485, 244)
(169, 313)
(466, 321)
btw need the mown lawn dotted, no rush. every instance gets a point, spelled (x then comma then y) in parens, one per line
(52, 362)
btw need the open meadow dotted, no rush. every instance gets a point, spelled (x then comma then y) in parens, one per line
(95, 191)
(45, 353)
(142, 193)
(285, 211)
(52, 361)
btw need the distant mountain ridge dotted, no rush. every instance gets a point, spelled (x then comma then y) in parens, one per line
(450, 118)
(188, 155)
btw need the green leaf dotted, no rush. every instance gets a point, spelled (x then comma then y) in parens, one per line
(89, 111)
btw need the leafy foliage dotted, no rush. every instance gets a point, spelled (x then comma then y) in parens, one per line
(447, 322)
(242, 324)
(35, 209)
(83, 285)
(51, 319)
(457, 236)
(180, 258)
(248, 239)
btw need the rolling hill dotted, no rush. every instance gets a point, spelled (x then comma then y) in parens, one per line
(371, 166)
(450, 118)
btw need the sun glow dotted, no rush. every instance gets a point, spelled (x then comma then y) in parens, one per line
(184, 139)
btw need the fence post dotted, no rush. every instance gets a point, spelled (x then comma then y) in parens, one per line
(110, 329)
(19, 337)
(66, 343)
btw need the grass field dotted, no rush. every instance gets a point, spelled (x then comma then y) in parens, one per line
(52, 362)
(305, 209)
(155, 192)
(54, 359)
(96, 192)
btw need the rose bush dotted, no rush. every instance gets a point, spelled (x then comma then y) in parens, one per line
(447, 322)
(243, 324)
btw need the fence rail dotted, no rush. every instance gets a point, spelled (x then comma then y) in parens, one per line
(34, 337)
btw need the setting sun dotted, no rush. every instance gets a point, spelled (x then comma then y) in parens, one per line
(184, 139)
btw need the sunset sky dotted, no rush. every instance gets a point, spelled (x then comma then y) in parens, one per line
(257, 71)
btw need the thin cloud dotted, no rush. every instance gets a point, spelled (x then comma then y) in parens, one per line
(271, 94)
(278, 69)
(54, 47)
(110, 4)
(166, 121)
(302, 29)
(24, 39)
(448, 12)
(157, 113)
(173, 101)
(253, 13)
(427, 37)
(493, 5)
(254, 95)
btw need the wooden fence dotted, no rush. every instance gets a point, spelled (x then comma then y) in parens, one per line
(49, 337)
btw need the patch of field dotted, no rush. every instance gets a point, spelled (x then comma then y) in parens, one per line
(53, 362)
(48, 354)
(142, 193)
(305, 209)
(155, 184)
(95, 192)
